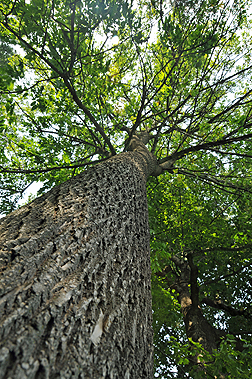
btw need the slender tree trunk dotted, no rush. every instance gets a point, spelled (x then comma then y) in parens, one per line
(75, 278)
(197, 328)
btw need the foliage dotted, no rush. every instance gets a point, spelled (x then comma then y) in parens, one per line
(79, 78)
(189, 216)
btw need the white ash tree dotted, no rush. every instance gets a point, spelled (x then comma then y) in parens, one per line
(99, 100)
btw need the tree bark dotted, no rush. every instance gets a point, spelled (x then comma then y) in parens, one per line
(197, 328)
(75, 278)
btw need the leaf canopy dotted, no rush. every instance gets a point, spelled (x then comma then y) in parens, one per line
(79, 78)
(90, 74)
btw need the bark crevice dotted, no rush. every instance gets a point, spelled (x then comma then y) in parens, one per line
(82, 250)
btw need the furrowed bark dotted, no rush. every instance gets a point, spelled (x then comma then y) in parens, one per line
(75, 278)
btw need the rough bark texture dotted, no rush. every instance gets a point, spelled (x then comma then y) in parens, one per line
(75, 278)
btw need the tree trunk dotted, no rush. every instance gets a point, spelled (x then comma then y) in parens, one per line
(197, 328)
(75, 278)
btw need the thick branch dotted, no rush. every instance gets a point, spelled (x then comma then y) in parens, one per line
(193, 281)
(218, 304)
(205, 146)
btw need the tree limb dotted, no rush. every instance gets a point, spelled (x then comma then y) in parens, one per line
(218, 304)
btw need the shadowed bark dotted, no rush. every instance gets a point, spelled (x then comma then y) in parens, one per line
(75, 277)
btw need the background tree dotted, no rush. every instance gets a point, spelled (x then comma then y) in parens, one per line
(101, 79)
(200, 257)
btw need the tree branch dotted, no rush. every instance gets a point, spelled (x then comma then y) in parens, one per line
(68, 84)
(205, 146)
(233, 273)
(218, 304)
(193, 281)
(23, 171)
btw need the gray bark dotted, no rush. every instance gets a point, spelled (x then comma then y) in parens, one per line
(75, 277)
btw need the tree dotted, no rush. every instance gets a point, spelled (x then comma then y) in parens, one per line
(201, 250)
(99, 86)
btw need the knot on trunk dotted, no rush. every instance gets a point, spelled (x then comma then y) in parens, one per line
(143, 157)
